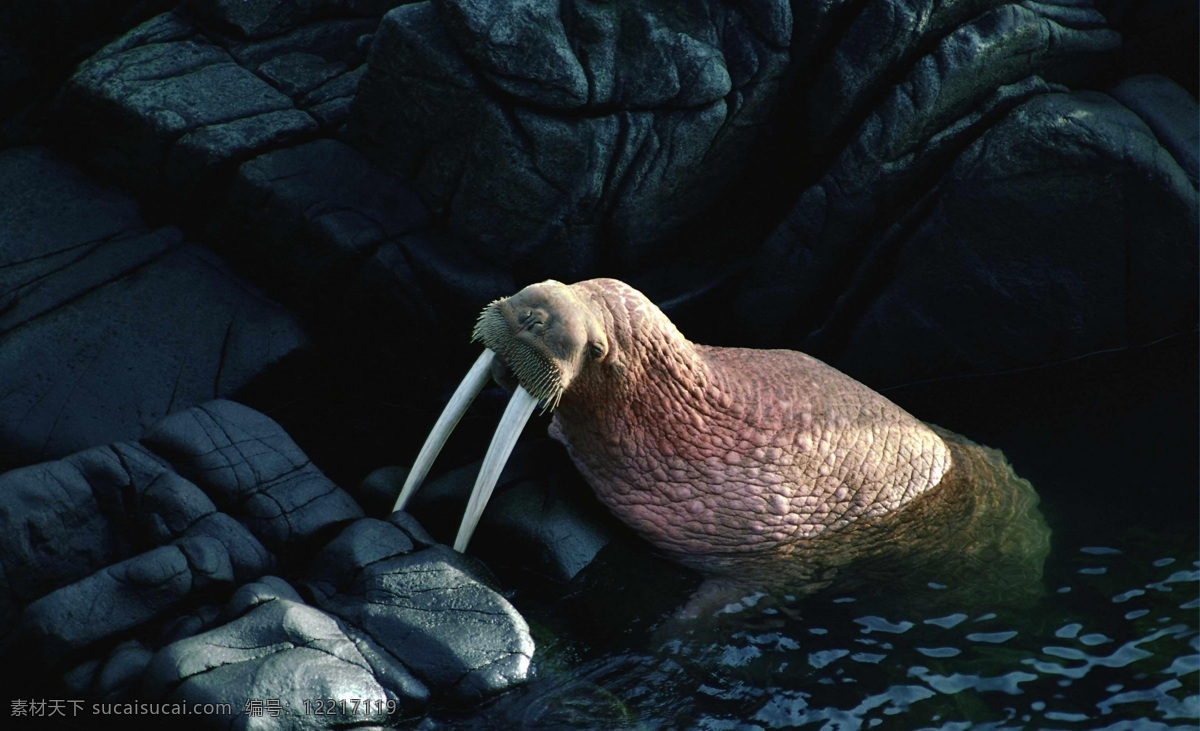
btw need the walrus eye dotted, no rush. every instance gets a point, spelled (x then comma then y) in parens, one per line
(596, 350)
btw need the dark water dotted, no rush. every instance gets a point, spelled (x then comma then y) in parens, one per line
(1110, 640)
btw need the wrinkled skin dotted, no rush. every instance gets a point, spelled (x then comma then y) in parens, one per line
(717, 456)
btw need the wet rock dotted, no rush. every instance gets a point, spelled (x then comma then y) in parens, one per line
(1156, 38)
(107, 325)
(556, 141)
(127, 544)
(283, 654)
(252, 470)
(104, 541)
(423, 608)
(121, 672)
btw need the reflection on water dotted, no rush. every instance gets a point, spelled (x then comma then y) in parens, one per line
(838, 662)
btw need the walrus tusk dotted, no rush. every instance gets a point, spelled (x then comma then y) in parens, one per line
(466, 392)
(520, 408)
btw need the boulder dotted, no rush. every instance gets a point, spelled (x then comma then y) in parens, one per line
(563, 141)
(106, 324)
(425, 608)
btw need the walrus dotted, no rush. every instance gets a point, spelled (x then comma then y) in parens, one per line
(762, 466)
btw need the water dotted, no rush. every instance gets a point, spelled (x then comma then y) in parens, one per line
(1108, 641)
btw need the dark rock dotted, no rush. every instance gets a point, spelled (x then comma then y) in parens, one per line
(557, 141)
(252, 470)
(257, 18)
(361, 544)
(1169, 112)
(977, 46)
(163, 104)
(249, 596)
(52, 533)
(310, 215)
(411, 528)
(458, 636)
(317, 65)
(542, 520)
(189, 623)
(1157, 38)
(544, 531)
(265, 18)
(835, 278)
(331, 102)
(115, 544)
(105, 325)
(118, 677)
(106, 604)
(65, 521)
(1028, 237)
(378, 491)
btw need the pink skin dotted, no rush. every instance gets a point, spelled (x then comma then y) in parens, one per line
(716, 454)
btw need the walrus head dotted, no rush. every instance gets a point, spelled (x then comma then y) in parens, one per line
(544, 337)
(550, 343)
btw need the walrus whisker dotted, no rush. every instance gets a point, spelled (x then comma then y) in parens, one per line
(476, 378)
(520, 408)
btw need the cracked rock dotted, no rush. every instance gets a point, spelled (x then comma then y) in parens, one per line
(279, 651)
(106, 324)
(252, 470)
(557, 137)
(423, 608)
(942, 207)
(311, 215)
(164, 105)
(112, 558)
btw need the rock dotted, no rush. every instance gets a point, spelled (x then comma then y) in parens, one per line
(423, 608)
(271, 661)
(106, 604)
(103, 541)
(265, 18)
(252, 470)
(65, 521)
(557, 142)
(121, 672)
(107, 325)
(1169, 112)
(112, 558)
(1033, 221)
(309, 216)
(543, 521)
(842, 275)
(165, 105)
(378, 491)
(317, 65)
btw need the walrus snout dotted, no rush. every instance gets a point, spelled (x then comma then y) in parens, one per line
(535, 342)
